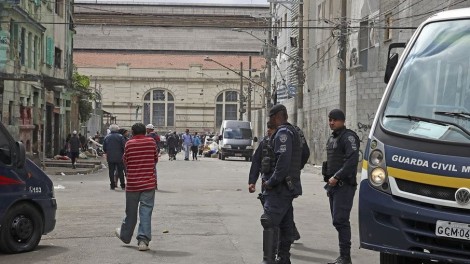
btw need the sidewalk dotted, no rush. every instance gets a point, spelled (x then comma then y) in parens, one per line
(83, 166)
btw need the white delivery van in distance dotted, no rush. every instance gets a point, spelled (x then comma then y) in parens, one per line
(236, 139)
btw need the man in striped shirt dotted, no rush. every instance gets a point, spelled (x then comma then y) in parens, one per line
(140, 157)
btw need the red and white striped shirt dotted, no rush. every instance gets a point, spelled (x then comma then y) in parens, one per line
(140, 157)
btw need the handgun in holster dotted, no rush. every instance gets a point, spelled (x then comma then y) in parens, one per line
(261, 198)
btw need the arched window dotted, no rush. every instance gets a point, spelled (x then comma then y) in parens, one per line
(159, 108)
(226, 107)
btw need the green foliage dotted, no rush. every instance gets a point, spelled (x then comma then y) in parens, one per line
(81, 84)
(84, 109)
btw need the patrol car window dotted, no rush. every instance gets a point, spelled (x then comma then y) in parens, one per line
(5, 150)
(431, 95)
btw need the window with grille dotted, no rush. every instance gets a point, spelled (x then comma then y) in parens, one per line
(159, 108)
(226, 107)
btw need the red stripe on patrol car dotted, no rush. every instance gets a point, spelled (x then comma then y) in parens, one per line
(7, 181)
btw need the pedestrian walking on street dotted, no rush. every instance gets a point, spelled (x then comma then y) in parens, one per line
(195, 145)
(150, 132)
(339, 171)
(113, 146)
(125, 133)
(187, 142)
(74, 144)
(172, 142)
(282, 184)
(140, 157)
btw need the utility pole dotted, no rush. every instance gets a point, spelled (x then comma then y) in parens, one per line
(268, 60)
(342, 54)
(249, 92)
(241, 92)
(300, 68)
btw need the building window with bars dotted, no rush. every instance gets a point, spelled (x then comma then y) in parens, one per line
(364, 44)
(226, 107)
(159, 108)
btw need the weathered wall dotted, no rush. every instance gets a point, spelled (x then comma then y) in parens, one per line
(364, 85)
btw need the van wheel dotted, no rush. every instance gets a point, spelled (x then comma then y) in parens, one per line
(21, 229)
(386, 258)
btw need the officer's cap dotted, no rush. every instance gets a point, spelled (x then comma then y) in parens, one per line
(149, 126)
(277, 108)
(337, 114)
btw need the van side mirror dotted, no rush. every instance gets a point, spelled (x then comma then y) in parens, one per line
(21, 155)
(255, 139)
(392, 60)
(391, 65)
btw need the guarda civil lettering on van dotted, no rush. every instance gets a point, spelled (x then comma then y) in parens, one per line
(427, 164)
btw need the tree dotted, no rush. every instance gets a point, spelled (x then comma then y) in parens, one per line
(81, 84)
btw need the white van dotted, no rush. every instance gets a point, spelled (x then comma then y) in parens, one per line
(236, 139)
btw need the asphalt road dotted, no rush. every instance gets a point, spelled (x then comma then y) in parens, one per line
(203, 214)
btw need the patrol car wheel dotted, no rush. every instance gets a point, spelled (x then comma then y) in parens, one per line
(386, 258)
(21, 229)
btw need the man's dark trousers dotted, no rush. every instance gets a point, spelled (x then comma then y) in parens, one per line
(341, 202)
(281, 213)
(119, 166)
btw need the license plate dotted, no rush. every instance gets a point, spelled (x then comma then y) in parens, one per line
(453, 230)
(238, 154)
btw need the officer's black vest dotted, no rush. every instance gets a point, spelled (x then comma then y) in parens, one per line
(296, 160)
(335, 154)
(268, 158)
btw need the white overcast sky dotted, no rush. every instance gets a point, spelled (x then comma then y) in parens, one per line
(239, 2)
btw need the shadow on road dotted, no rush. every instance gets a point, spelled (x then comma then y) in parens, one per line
(162, 191)
(323, 255)
(45, 250)
(168, 253)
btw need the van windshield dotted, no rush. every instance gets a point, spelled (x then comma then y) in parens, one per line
(237, 133)
(431, 95)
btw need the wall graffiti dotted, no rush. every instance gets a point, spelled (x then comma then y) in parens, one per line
(363, 130)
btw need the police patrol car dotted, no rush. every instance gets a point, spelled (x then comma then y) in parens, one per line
(27, 202)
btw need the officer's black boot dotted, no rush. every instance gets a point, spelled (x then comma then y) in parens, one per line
(270, 240)
(284, 248)
(342, 260)
(269, 246)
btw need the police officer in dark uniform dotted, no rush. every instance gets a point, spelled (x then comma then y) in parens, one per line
(282, 184)
(262, 160)
(340, 172)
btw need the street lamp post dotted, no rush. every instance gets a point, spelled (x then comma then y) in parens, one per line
(248, 104)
